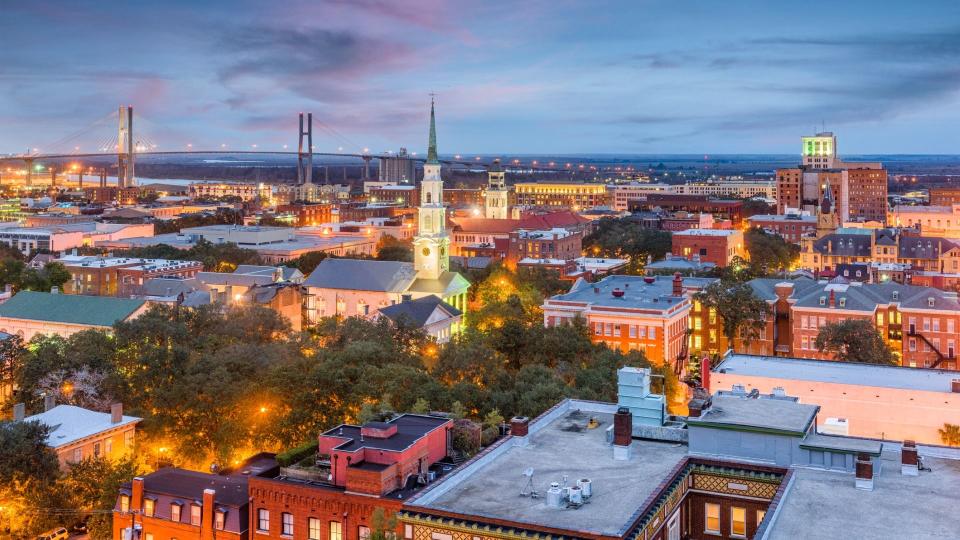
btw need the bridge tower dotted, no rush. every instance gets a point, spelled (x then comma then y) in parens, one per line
(305, 155)
(125, 149)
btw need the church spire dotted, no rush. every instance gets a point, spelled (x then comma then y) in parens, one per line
(432, 147)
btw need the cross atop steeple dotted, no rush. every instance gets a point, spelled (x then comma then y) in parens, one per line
(432, 145)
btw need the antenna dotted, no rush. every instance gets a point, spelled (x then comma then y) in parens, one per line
(528, 489)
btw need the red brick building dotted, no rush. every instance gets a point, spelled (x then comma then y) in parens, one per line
(121, 276)
(308, 214)
(356, 470)
(791, 227)
(717, 246)
(695, 204)
(176, 503)
(555, 244)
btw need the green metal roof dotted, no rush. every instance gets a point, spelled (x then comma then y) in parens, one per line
(69, 308)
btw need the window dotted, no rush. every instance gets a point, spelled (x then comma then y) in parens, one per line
(108, 446)
(286, 524)
(738, 521)
(616, 330)
(148, 507)
(335, 532)
(195, 510)
(407, 531)
(219, 519)
(441, 536)
(760, 515)
(608, 329)
(96, 449)
(653, 332)
(263, 520)
(711, 513)
(950, 325)
(713, 336)
(128, 439)
(804, 342)
(363, 532)
(77, 455)
(175, 512)
(124, 503)
(148, 536)
(598, 328)
(633, 330)
(313, 528)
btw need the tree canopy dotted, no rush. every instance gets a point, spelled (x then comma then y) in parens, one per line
(390, 248)
(742, 312)
(625, 239)
(855, 340)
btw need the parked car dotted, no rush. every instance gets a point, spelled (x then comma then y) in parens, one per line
(56, 534)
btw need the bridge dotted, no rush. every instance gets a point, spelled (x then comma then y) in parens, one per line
(126, 148)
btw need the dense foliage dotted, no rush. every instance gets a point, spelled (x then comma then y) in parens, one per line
(855, 340)
(742, 312)
(625, 239)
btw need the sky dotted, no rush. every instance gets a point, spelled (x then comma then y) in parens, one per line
(510, 77)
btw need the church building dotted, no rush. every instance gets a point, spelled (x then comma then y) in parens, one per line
(354, 287)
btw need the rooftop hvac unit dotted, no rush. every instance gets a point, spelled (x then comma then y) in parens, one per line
(554, 497)
(835, 426)
(576, 496)
(586, 487)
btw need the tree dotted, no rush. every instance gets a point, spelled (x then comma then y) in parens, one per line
(392, 249)
(855, 340)
(307, 262)
(742, 312)
(26, 455)
(382, 526)
(624, 238)
(92, 484)
(769, 252)
(950, 434)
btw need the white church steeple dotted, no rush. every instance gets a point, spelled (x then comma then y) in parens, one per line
(431, 257)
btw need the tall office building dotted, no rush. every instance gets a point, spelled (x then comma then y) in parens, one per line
(859, 189)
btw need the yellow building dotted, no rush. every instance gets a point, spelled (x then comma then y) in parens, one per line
(571, 195)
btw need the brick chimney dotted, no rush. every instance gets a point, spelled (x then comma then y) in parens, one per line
(677, 284)
(206, 515)
(49, 402)
(116, 413)
(519, 426)
(833, 300)
(909, 462)
(864, 471)
(955, 386)
(622, 434)
(136, 499)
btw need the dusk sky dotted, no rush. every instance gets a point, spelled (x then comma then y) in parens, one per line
(550, 76)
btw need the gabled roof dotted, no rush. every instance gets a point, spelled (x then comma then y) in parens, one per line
(69, 424)
(561, 218)
(489, 226)
(362, 275)
(447, 284)
(287, 273)
(419, 311)
(69, 308)
(919, 247)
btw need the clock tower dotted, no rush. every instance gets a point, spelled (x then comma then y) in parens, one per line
(431, 246)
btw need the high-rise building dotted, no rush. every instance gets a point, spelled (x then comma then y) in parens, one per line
(496, 197)
(400, 168)
(819, 151)
(859, 189)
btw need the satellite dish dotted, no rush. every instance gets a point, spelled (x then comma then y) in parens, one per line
(528, 472)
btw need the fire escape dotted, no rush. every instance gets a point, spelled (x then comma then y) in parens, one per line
(950, 357)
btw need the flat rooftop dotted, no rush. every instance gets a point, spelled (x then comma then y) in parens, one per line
(826, 371)
(562, 447)
(826, 505)
(759, 413)
(637, 293)
(706, 232)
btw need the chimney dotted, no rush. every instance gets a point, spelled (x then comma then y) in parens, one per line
(864, 471)
(596, 290)
(54, 290)
(622, 434)
(136, 501)
(116, 413)
(519, 426)
(206, 515)
(955, 386)
(49, 402)
(833, 300)
(677, 284)
(19, 412)
(909, 462)
(705, 373)
(8, 288)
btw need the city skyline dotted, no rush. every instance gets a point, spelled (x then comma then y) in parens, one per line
(541, 77)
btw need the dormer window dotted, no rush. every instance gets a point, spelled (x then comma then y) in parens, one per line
(896, 295)
(124, 503)
(823, 300)
(931, 301)
(843, 301)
